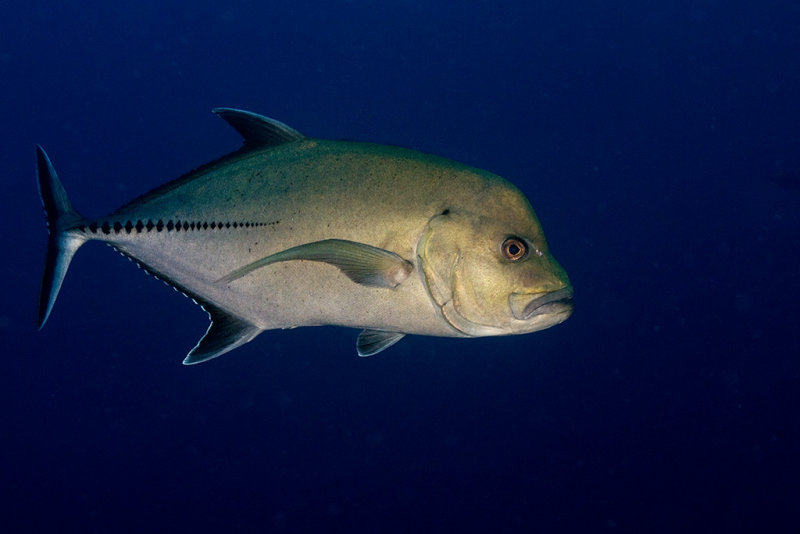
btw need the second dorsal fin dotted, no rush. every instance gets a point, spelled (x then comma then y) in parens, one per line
(258, 131)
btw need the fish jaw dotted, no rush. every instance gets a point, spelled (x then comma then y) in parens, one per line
(542, 309)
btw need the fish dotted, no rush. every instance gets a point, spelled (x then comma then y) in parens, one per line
(290, 231)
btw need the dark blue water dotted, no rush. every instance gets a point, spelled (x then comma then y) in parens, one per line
(659, 143)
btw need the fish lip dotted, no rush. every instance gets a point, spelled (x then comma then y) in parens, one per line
(526, 306)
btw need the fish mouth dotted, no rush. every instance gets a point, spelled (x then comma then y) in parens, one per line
(526, 306)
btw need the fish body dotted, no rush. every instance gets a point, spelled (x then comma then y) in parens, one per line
(291, 231)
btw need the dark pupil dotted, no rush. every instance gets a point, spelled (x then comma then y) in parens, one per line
(513, 249)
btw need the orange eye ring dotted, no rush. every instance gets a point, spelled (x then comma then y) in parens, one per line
(514, 249)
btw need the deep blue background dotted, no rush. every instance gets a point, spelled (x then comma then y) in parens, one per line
(659, 143)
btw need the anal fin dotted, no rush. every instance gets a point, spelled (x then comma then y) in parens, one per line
(225, 333)
(374, 341)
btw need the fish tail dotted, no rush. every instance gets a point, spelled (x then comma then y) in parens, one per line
(63, 241)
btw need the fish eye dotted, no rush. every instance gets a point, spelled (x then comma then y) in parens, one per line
(514, 248)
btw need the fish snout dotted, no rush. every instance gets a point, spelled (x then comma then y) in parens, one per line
(526, 306)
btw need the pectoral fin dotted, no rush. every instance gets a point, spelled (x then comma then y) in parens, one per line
(374, 341)
(363, 264)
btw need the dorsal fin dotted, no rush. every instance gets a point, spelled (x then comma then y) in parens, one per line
(258, 131)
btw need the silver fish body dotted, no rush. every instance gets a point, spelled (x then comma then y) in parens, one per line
(291, 231)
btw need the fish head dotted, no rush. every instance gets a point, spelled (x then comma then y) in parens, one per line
(489, 270)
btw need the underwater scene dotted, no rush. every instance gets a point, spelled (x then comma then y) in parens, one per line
(471, 266)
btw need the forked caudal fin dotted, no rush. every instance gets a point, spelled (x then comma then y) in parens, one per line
(61, 244)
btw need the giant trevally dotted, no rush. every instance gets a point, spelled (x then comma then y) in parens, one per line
(292, 231)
